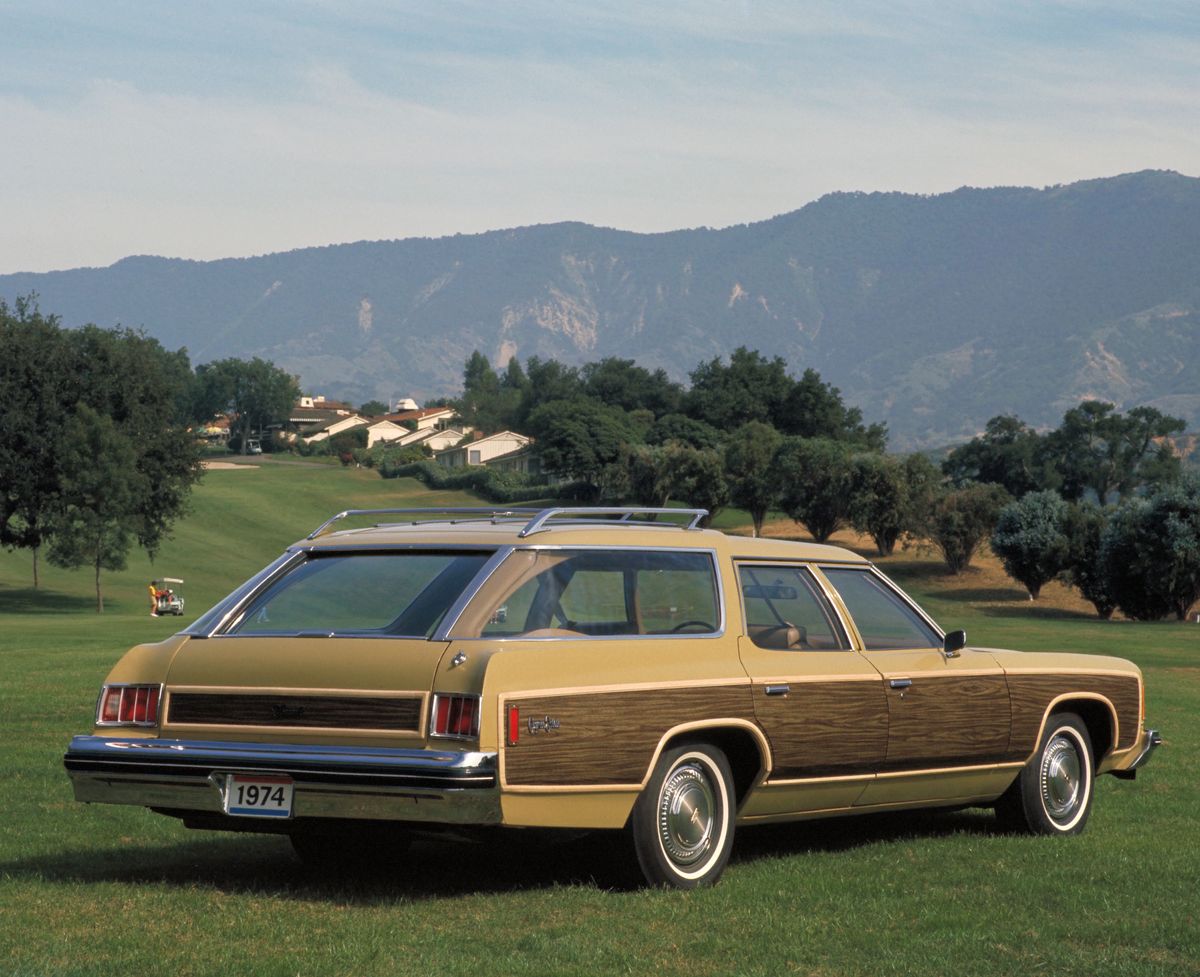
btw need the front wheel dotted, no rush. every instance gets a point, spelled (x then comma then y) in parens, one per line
(1053, 794)
(682, 823)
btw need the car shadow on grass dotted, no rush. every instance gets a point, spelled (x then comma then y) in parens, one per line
(437, 866)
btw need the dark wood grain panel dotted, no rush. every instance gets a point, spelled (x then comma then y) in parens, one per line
(1031, 696)
(396, 713)
(609, 737)
(948, 720)
(822, 729)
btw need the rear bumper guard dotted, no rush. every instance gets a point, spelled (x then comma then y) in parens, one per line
(1151, 740)
(330, 781)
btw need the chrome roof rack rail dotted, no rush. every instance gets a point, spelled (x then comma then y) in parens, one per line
(473, 513)
(620, 515)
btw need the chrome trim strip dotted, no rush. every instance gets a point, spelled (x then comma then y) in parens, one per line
(477, 512)
(218, 618)
(625, 513)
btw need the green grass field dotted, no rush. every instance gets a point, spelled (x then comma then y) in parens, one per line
(109, 890)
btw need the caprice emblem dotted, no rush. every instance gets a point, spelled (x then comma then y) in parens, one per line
(543, 725)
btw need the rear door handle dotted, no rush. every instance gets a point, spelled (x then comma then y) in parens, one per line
(777, 689)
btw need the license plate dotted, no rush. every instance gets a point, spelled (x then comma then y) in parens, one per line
(258, 795)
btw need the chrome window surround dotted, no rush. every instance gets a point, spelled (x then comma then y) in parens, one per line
(445, 632)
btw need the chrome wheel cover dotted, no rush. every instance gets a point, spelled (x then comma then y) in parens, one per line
(687, 811)
(1062, 778)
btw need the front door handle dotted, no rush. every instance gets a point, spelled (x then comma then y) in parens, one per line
(777, 689)
(900, 683)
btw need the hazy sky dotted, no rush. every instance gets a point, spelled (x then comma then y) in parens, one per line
(218, 129)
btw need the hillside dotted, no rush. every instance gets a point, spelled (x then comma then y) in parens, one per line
(931, 313)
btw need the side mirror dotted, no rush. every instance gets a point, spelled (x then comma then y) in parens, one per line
(955, 642)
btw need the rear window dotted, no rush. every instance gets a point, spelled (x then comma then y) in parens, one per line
(404, 594)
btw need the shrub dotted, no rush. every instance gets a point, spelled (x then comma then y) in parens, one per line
(1031, 541)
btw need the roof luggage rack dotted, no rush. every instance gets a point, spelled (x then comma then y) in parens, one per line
(537, 519)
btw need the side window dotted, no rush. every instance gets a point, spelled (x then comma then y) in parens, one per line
(884, 619)
(599, 593)
(785, 610)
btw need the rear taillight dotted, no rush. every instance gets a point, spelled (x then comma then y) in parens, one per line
(455, 715)
(128, 705)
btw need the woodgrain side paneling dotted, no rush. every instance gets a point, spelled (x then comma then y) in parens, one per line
(948, 720)
(296, 711)
(1032, 694)
(824, 729)
(608, 737)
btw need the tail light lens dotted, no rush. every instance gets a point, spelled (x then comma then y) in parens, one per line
(455, 715)
(128, 705)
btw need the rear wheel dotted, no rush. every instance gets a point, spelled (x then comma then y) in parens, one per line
(1053, 794)
(682, 824)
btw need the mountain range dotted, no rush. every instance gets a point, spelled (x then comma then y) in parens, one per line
(932, 313)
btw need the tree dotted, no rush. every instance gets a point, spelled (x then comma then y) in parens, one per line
(1151, 552)
(814, 409)
(1100, 451)
(1008, 453)
(889, 496)
(624, 384)
(100, 492)
(547, 381)
(961, 519)
(256, 392)
(750, 470)
(373, 408)
(750, 388)
(579, 438)
(1030, 539)
(647, 481)
(34, 405)
(696, 476)
(813, 479)
(685, 430)
(1084, 527)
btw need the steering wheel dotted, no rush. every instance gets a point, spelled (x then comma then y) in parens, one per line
(702, 625)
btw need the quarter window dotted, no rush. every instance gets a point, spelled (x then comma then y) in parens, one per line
(884, 619)
(597, 593)
(785, 610)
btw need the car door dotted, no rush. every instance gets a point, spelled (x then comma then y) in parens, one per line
(944, 712)
(820, 702)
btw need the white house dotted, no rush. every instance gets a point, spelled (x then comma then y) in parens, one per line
(482, 450)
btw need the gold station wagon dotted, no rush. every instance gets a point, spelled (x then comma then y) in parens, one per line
(591, 668)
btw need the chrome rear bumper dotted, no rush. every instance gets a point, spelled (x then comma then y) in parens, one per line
(182, 776)
(1151, 740)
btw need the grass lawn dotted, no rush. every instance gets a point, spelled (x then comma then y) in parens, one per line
(111, 890)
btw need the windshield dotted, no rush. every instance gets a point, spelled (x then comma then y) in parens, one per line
(397, 594)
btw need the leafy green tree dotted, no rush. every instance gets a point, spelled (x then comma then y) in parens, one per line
(889, 496)
(696, 476)
(344, 444)
(624, 384)
(959, 520)
(1008, 453)
(100, 492)
(813, 476)
(579, 438)
(35, 400)
(685, 430)
(1031, 539)
(1084, 527)
(1151, 551)
(373, 408)
(547, 381)
(814, 409)
(749, 388)
(131, 379)
(750, 470)
(256, 392)
(1101, 451)
(646, 479)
